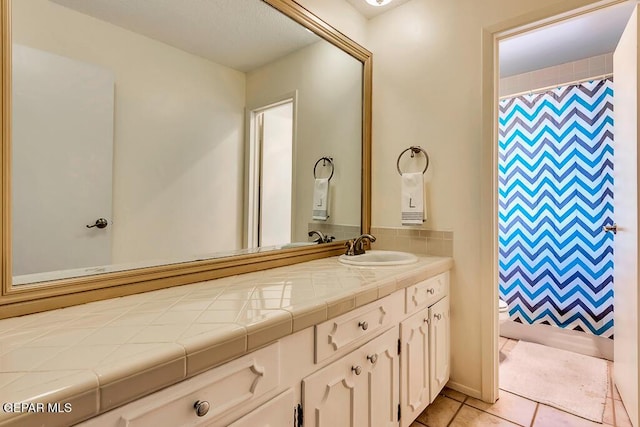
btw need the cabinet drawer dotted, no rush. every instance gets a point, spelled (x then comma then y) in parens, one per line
(427, 292)
(277, 412)
(356, 326)
(224, 389)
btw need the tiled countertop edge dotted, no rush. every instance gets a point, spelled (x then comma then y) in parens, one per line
(176, 362)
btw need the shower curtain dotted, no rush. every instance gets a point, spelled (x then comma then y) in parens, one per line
(555, 194)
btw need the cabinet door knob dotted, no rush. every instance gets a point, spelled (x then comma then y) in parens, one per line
(373, 358)
(356, 369)
(431, 291)
(201, 407)
(364, 325)
(438, 316)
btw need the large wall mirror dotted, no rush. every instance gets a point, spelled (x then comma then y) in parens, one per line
(150, 144)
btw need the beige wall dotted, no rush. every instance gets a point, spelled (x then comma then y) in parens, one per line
(427, 90)
(178, 121)
(328, 123)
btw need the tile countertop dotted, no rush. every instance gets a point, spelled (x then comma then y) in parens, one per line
(103, 354)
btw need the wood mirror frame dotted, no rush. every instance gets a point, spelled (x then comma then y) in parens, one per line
(25, 299)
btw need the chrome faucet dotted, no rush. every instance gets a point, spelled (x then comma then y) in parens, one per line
(356, 247)
(322, 238)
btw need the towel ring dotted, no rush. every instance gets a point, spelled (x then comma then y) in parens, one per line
(414, 150)
(324, 161)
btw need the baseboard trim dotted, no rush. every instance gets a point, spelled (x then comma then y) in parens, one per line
(476, 394)
(578, 342)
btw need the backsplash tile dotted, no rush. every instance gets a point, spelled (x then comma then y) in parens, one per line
(419, 241)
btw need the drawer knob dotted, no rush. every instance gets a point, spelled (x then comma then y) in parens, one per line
(431, 291)
(357, 369)
(201, 407)
(373, 358)
(364, 325)
(438, 316)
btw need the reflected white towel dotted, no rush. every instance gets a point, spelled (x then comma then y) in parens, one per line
(412, 198)
(321, 199)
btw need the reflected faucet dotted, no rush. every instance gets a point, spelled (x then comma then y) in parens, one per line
(356, 247)
(322, 238)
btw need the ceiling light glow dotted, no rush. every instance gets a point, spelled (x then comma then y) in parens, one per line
(378, 2)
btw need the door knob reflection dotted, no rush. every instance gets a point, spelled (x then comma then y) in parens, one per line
(100, 223)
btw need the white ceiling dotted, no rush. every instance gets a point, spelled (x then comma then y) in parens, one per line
(246, 34)
(589, 35)
(241, 34)
(369, 11)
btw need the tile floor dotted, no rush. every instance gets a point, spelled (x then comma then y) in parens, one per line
(454, 409)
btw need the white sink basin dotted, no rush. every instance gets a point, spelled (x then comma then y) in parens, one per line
(379, 258)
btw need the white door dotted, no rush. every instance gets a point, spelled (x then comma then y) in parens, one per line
(414, 356)
(276, 175)
(626, 342)
(62, 162)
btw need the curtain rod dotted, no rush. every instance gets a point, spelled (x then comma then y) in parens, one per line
(547, 88)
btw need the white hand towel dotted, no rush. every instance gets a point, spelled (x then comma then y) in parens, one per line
(412, 198)
(321, 199)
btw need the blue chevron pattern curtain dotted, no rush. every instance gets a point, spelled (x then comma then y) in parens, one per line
(555, 194)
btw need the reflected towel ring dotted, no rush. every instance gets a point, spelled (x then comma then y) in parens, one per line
(324, 161)
(414, 150)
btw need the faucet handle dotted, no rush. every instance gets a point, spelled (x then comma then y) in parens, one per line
(321, 237)
(350, 244)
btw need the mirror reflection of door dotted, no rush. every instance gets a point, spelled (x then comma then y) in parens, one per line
(72, 103)
(274, 137)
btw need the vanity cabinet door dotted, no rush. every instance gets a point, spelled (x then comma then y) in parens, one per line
(414, 366)
(440, 353)
(334, 395)
(358, 390)
(383, 381)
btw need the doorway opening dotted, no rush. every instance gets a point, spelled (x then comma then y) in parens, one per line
(555, 184)
(271, 152)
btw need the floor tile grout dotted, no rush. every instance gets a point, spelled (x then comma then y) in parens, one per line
(457, 412)
(535, 413)
(503, 344)
(610, 397)
(494, 415)
(613, 410)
